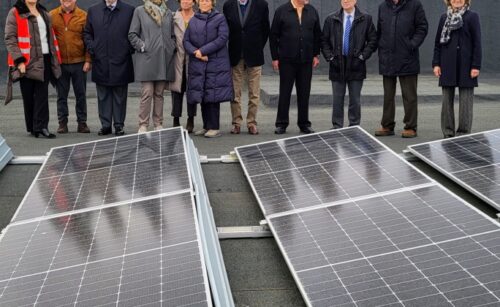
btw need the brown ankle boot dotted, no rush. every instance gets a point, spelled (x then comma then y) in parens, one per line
(83, 128)
(63, 126)
(190, 124)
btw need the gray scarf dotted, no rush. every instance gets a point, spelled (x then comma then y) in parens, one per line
(157, 9)
(453, 22)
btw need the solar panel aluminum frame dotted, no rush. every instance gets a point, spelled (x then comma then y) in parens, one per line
(13, 220)
(268, 218)
(5, 153)
(450, 176)
(219, 282)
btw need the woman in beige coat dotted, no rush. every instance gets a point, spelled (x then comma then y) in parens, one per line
(37, 66)
(178, 87)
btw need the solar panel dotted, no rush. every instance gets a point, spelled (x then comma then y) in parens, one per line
(358, 226)
(107, 172)
(473, 161)
(138, 254)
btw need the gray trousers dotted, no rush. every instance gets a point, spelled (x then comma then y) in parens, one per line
(72, 74)
(354, 113)
(112, 105)
(466, 98)
(410, 101)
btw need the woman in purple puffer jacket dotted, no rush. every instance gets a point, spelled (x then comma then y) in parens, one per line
(209, 70)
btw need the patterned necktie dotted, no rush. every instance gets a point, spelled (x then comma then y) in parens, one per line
(347, 35)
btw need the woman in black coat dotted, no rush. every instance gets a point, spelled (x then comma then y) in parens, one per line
(457, 62)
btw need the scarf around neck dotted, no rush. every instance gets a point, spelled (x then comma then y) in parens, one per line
(454, 21)
(156, 11)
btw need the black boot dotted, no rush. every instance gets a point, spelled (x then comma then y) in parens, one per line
(190, 124)
(176, 122)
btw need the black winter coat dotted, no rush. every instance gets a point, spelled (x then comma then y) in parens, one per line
(293, 41)
(250, 37)
(106, 39)
(461, 54)
(208, 82)
(401, 30)
(363, 42)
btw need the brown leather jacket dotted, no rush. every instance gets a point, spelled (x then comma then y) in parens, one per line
(35, 68)
(70, 37)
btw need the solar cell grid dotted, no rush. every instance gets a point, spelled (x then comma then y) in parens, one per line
(472, 161)
(358, 226)
(107, 172)
(141, 253)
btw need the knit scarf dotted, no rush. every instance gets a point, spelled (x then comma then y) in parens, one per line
(453, 22)
(156, 9)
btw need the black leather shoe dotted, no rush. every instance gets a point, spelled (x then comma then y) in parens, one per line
(306, 130)
(45, 133)
(119, 131)
(104, 131)
(280, 130)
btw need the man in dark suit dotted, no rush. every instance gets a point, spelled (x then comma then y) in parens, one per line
(295, 46)
(106, 39)
(248, 22)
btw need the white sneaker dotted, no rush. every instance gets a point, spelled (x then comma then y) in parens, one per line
(142, 129)
(159, 127)
(212, 134)
(200, 132)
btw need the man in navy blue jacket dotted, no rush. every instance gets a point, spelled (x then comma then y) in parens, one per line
(106, 39)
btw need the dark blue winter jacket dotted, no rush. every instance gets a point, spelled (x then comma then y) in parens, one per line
(208, 82)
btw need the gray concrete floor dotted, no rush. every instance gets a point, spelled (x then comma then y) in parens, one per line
(256, 269)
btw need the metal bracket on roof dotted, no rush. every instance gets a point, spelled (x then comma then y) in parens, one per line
(27, 160)
(230, 158)
(5, 153)
(408, 156)
(244, 232)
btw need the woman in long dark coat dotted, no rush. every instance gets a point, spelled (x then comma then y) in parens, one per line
(457, 62)
(209, 70)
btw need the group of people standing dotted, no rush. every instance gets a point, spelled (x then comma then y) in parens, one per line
(206, 55)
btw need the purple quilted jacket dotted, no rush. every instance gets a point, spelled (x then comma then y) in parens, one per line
(208, 82)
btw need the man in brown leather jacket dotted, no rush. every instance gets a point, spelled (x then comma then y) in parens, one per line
(68, 21)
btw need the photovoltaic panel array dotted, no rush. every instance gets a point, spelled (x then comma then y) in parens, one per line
(381, 234)
(140, 248)
(107, 172)
(473, 161)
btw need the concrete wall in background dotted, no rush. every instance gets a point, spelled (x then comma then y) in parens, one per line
(489, 11)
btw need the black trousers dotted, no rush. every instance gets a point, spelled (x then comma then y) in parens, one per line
(210, 112)
(299, 74)
(72, 74)
(410, 101)
(36, 99)
(112, 105)
(177, 99)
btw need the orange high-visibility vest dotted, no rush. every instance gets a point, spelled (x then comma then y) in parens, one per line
(24, 40)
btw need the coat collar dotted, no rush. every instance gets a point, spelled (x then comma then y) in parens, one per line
(291, 8)
(402, 3)
(77, 11)
(117, 7)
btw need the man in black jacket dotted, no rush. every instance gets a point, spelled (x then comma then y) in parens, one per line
(106, 39)
(248, 22)
(402, 28)
(349, 39)
(295, 46)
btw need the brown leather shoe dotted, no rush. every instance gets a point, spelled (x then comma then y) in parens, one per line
(236, 129)
(409, 133)
(83, 128)
(252, 129)
(382, 131)
(63, 126)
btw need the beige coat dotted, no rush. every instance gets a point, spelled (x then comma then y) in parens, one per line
(180, 55)
(35, 68)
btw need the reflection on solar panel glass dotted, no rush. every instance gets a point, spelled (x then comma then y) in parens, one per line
(358, 226)
(472, 161)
